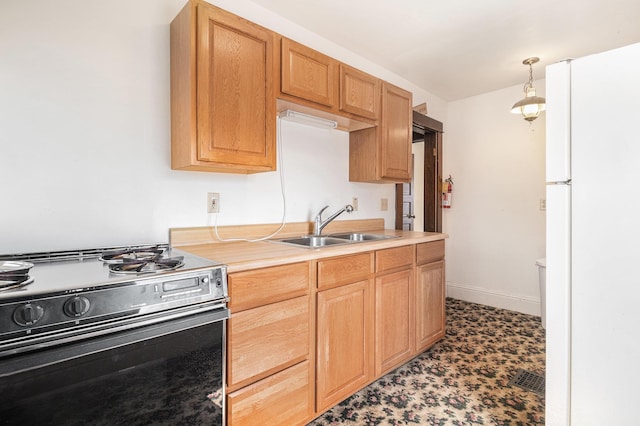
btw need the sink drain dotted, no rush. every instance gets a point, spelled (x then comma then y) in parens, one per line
(528, 381)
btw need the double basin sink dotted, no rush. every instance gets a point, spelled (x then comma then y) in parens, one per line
(314, 241)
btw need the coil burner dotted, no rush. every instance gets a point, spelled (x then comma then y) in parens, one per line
(14, 274)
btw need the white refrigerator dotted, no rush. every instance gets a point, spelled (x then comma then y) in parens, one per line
(593, 240)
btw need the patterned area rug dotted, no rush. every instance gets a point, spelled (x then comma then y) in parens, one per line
(461, 380)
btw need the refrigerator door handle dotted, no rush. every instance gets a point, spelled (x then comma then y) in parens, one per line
(560, 182)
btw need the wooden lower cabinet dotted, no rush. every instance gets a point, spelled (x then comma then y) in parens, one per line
(270, 367)
(296, 350)
(430, 304)
(344, 323)
(285, 398)
(394, 320)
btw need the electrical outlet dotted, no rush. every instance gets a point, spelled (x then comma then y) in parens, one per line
(213, 202)
(354, 203)
(543, 204)
(384, 204)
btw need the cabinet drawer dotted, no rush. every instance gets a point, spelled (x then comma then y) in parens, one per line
(268, 285)
(429, 252)
(346, 269)
(267, 339)
(282, 399)
(394, 258)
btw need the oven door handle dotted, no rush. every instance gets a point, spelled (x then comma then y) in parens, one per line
(38, 359)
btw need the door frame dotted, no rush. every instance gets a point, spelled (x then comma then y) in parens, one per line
(431, 131)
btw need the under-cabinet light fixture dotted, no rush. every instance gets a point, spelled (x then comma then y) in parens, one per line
(531, 106)
(307, 119)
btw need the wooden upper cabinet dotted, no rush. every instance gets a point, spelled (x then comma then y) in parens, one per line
(383, 153)
(395, 144)
(359, 92)
(223, 103)
(308, 74)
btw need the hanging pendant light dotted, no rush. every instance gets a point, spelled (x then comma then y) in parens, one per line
(531, 106)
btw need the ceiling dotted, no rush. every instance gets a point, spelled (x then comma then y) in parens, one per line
(459, 48)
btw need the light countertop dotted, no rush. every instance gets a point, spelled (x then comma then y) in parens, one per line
(241, 256)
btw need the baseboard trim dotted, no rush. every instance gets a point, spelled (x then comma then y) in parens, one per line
(512, 302)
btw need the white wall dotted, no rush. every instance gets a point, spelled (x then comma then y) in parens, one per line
(85, 132)
(496, 227)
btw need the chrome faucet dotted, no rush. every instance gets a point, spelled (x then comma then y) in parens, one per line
(320, 224)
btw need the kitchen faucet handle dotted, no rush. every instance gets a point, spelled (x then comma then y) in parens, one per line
(322, 210)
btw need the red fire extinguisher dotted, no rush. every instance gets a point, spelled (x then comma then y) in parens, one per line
(447, 190)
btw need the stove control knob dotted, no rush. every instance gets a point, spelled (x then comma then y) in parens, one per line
(28, 314)
(76, 306)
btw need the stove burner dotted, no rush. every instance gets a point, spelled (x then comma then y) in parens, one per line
(14, 274)
(153, 266)
(11, 284)
(135, 254)
(14, 267)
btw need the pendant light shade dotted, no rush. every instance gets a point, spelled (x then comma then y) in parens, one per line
(531, 106)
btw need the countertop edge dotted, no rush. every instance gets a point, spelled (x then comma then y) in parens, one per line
(244, 256)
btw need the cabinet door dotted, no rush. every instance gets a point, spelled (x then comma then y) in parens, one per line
(394, 157)
(236, 105)
(282, 399)
(430, 304)
(359, 92)
(394, 325)
(343, 342)
(308, 74)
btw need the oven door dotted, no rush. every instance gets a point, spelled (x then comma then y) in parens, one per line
(166, 373)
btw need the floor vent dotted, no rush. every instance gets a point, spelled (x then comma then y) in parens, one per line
(528, 381)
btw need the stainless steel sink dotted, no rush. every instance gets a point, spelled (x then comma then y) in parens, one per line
(313, 241)
(356, 236)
